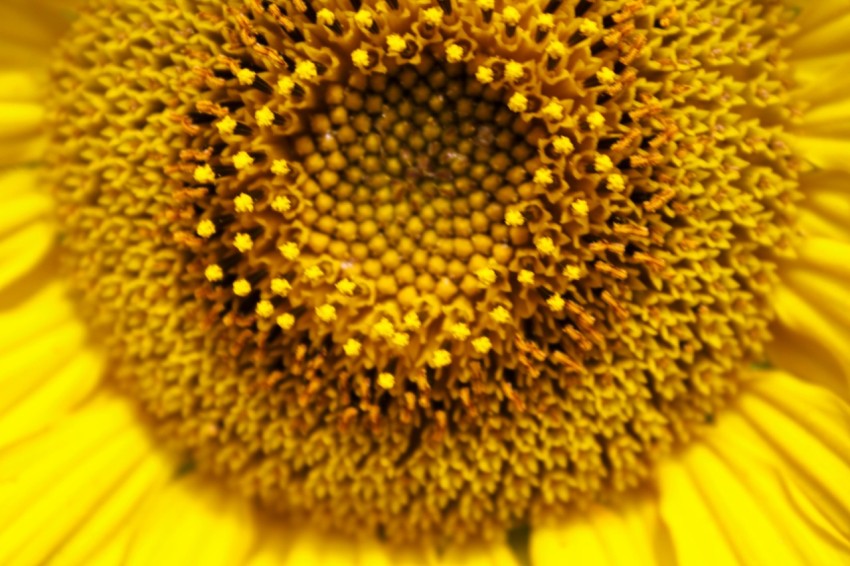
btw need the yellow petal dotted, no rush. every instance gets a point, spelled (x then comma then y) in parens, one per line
(819, 54)
(34, 315)
(815, 14)
(306, 549)
(827, 257)
(51, 483)
(14, 183)
(40, 338)
(22, 151)
(826, 207)
(801, 354)
(829, 113)
(274, 543)
(27, 367)
(194, 522)
(822, 29)
(19, 119)
(53, 400)
(822, 151)
(20, 86)
(34, 25)
(374, 553)
(495, 553)
(24, 209)
(813, 309)
(800, 317)
(768, 483)
(104, 525)
(625, 533)
(16, 55)
(23, 249)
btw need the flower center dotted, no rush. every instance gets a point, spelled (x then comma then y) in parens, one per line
(425, 269)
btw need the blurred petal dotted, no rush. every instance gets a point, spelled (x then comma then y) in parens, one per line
(819, 56)
(768, 481)
(630, 533)
(52, 484)
(813, 308)
(193, 522)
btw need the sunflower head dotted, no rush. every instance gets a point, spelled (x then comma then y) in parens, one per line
(426, 268)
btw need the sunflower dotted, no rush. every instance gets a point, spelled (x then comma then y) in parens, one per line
(424, 282)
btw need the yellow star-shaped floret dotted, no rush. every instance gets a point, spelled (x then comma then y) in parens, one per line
(306, 71)
(242, 160)
(241, 287)
(243, 242)
(386, 380)
(511, 15)
(556, 303)
(514, 71)
(514, 217)
(486, 275)
(602, 163)
(454, 53)
(606, 75)
(346, 286)
(556, 49)
(246, 77)
(545, 245)
(281, 286)
(352, 347)
(281, 204)
(543, 177)
(580, 207)
(525, 277)
(226, 125)
(572, 272)
(459, 331)
(595, 120)
(204, 174)
(484, 75)
(264, 117)
(616, 182)
(326, 313)
(264, 308)
(500, 314)
(396, 44)
(290, 250)
(280, 167)
(285, 321)
(563, 145)
(482, 345)
(325, 17)
(518, 102)
(360, 57)
(411, 321)
(314, 273)
(588, 27)
(243, 203)
(401, 339)
(553, 111)
(432, 16)
(285, 86)
(206, 228)
(213, 273)
(384, 328)
(441, 358)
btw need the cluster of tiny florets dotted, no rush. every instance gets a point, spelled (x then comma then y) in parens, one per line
(432, 268)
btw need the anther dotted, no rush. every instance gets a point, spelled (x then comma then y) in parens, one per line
(487, 7)
(511, 17)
